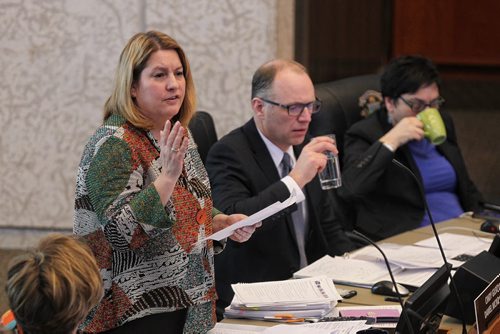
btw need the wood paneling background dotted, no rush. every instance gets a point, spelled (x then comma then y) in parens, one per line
(337, 38)
(451, 32)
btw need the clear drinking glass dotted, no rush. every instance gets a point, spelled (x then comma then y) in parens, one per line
(330, 176)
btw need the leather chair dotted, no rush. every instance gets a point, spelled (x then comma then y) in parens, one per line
(338, 112)
(203, 130)
(340, 107)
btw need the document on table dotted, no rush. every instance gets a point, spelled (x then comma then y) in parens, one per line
(300, 291)
(458, 248)
(362, 273)
(334, 327)
(464, 244)
(425, 254)
(337, 327)
(344, 270)
(413, 277)
(253, 219)
(405, 256)
(223, 328)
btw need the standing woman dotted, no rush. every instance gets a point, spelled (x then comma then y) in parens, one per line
(143, 199)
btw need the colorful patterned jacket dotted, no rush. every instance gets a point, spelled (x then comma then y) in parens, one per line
(148, 254)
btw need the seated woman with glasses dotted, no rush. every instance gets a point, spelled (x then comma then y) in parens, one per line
(386, 196)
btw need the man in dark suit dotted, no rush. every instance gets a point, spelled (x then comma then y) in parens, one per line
(264, 161)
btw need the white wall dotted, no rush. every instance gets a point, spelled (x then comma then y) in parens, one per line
(57, 59)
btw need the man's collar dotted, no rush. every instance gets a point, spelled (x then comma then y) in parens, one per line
(276, 152)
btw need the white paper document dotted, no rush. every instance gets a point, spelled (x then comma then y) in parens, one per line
(253, 219)
(223, 328)
(425, 254)
(413, 277)
(336, 327)
(346, 271)
(452, 241)
(405, 256)
(300, 291)
(363, 273)
(456, 245)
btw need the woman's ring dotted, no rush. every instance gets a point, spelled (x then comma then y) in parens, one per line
(174, 150)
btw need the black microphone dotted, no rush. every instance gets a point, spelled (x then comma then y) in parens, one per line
(365, 240)
(426, 207)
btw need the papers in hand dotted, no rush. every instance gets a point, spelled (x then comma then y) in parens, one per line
(253, 219)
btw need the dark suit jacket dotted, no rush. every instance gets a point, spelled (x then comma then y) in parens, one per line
(244, 180)
(386, 198)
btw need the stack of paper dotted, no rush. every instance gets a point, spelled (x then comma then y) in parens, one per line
(285, 301)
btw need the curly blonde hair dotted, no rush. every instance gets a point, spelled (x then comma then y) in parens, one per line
(52, 288)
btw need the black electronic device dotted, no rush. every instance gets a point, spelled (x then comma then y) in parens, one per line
(471, 279)
(386, 288)
(424, 309)
(487, 211)
(369, 320)
(491, 214)
(372, 331)
(355, 235)
(447, 266)
(490, 226)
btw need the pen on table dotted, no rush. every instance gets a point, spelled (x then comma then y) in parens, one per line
(392, 299)
(285, 318)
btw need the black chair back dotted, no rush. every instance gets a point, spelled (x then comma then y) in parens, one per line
(340, 107)
(203, 129)
(340, 110)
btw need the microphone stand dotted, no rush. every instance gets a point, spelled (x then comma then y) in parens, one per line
(364, 239)
(426, 207)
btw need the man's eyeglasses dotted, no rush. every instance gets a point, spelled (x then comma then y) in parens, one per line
(296, 109)
(419, 105)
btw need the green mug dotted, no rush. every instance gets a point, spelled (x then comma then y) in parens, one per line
(434, 128)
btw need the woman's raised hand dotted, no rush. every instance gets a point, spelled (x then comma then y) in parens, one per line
(173, 146)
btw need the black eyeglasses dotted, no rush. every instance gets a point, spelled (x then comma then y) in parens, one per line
(418, 105)
(296, 109)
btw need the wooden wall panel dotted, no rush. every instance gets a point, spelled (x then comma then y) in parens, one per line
(338, 38)
(450, 32)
